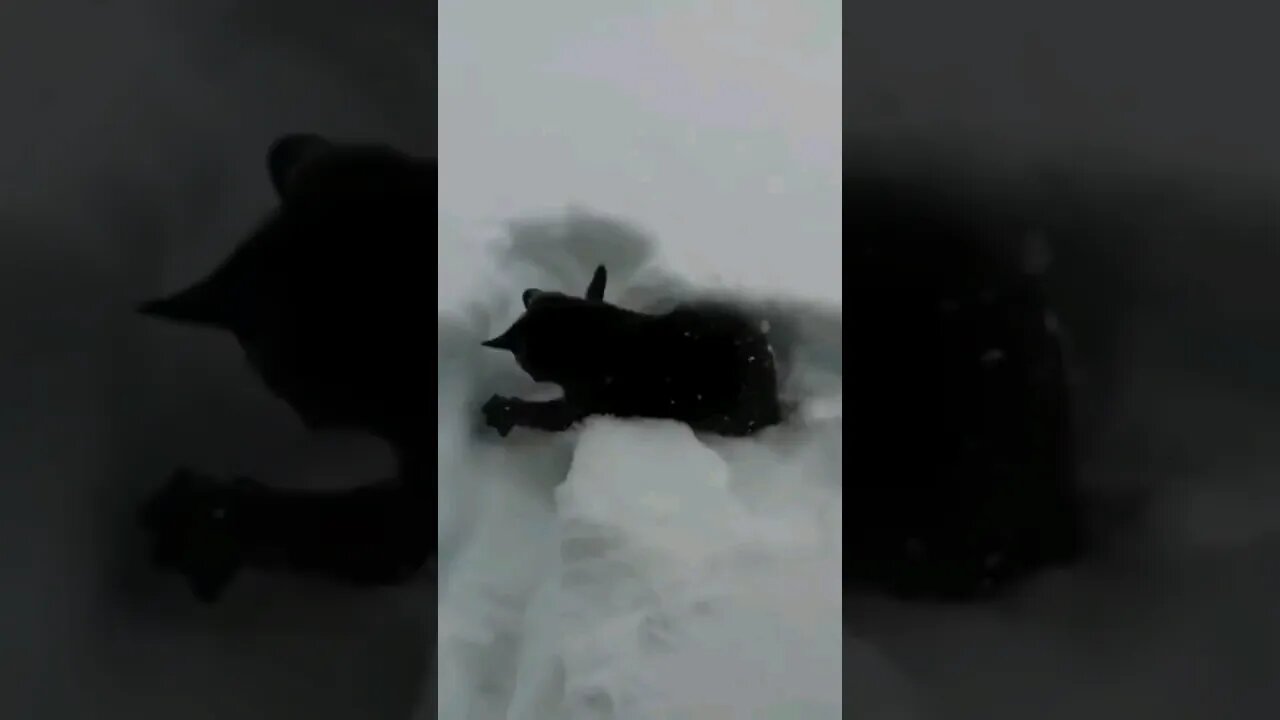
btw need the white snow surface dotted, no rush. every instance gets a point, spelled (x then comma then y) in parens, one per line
(633, 569)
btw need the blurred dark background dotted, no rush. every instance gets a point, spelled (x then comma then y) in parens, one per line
(1138, 139)
(133, 137)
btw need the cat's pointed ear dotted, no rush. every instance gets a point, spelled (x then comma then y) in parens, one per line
(595, 291)
(290, 152)
(511, 340)
(205, 303)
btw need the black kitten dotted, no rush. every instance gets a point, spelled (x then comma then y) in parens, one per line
(706, 366)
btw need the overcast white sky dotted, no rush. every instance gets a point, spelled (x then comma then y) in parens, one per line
(715, 124)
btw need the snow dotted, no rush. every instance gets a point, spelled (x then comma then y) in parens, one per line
(669, 593)
(631, 569)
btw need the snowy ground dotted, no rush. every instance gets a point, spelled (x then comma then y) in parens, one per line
(133, 132)
(633, 568)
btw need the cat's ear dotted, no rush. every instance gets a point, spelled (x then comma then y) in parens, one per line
(595, 291)
(288, 153)
(205, 303)
(512, 340)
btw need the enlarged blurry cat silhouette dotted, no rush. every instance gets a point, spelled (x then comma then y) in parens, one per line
(965, 479)
(325, 298)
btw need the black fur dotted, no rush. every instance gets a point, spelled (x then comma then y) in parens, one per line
(964, 474)
(706, 366)
(327, 299)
